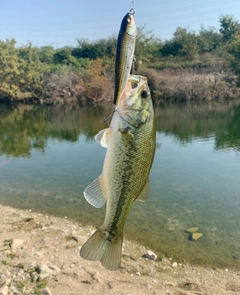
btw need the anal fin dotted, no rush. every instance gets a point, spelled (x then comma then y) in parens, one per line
(94, 194)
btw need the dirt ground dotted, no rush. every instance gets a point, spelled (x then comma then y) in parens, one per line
(39, 255)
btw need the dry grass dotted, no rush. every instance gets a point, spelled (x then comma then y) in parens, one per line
(190, 84)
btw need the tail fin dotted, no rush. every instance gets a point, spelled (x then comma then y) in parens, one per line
(99, 248)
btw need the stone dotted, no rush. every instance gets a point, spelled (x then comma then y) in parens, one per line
(174, 264)
(48, 270)
(14, 291)
(192, 229)
(16, 243)
(38, 254)
(196, 236)
(46, 291)
(34, 276)
(4, 290)
(150, 255)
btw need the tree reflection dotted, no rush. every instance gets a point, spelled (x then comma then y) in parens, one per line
(27, 127)
(188, 121)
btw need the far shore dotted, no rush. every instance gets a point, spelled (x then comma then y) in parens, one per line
(39, 254)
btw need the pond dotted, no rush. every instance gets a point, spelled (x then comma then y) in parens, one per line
(48, 156)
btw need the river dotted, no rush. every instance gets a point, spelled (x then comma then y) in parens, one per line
(48, 156)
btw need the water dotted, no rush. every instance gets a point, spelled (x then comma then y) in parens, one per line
(48, 156)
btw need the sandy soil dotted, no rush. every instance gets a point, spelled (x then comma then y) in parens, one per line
(39, 254)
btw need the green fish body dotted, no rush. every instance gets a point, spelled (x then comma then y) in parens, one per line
(131, 143)
(124, 54)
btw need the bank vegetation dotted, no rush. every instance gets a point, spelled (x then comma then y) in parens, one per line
(202, 65)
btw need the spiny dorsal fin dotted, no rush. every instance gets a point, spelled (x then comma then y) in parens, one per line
(94, 195)
(102, 137)
(144, 194)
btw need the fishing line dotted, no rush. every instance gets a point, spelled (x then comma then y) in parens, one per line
(132, 11)
(106, 116)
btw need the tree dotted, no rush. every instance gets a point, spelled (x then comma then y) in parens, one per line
(234, 50)
(147, 46)
(93, 50)
(183, 43)
(229, 27)
(188, 40)
(209, 39)
(20, 71)
(46, 54)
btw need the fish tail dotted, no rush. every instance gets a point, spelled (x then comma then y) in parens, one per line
(99, 248)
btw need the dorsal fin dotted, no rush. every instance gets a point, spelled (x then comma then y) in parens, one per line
(144, 194)
(94, 194)
(102, 137)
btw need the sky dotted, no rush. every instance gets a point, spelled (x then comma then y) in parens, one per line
(61, 22)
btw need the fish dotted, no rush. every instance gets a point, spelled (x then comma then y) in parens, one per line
(131, 142)
(124, 54)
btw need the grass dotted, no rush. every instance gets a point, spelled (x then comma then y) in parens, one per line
(40, 285)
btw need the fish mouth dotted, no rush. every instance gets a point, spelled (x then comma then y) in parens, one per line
(131, 26)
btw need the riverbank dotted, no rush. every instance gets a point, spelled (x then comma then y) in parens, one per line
(39, 254)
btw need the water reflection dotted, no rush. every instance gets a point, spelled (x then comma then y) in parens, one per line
(48, 156)
(27, 127)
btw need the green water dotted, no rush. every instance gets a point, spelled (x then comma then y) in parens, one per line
(48, 156)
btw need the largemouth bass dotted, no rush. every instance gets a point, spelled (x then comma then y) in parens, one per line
(130, 141)
(124, 54)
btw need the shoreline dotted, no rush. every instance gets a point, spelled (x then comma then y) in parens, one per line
(39, 254)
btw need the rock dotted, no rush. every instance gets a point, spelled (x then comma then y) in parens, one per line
(196, 236)
(174, 264)
(34, 276)
(4, 290)
(150, 255)
(14, 291)
(38, 254)
(8, 281)
(138, 273)
(32, 265)
(46, 291)
(15, 244)
(48, 270)
(192, 229)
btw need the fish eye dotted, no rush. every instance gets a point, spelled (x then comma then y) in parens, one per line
(144, 94)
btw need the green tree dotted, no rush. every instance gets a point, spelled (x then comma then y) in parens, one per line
(189, 42)
(229, 27)
(93, 50)
(184, 43)
(46, 54)
(209, 39)
(31, 69)
(20, 71)
(234, 50)
(147, 46)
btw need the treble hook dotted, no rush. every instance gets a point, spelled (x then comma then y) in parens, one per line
(132, 11)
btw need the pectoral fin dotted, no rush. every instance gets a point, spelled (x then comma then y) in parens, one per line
(144, 194)
(93, 193)
(102, 137)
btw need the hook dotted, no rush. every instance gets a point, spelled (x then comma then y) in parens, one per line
(132, 11)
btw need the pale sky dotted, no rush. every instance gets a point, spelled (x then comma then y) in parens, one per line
(61, 22)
